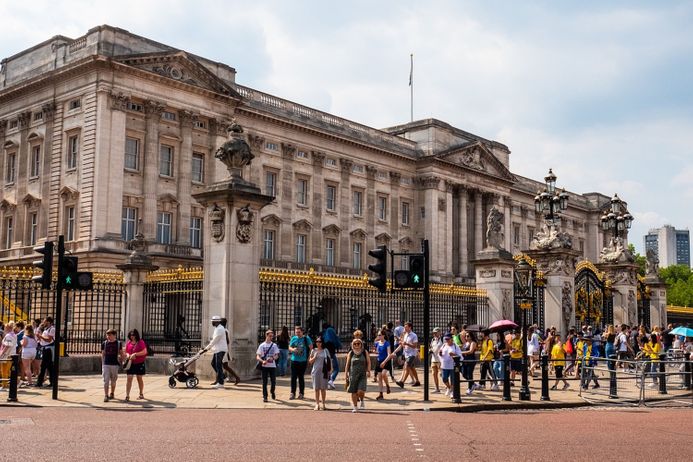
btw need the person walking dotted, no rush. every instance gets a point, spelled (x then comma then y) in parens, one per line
(357, 371)
(29, 347)
(382, 349)
(47, 344)
(219, 349)
(469, 360)
(321, 361)
(410, 346)
(283, 345)
(332, 344)
(448, 352)
(486, 358)
(515, 354)
(111, 357)
(558, 357)
(299, 347)
(266, 355)
(434, 348)
(136, 354)
(226, 361)
(652, 349)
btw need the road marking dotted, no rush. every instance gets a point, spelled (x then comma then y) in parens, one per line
(414, 436)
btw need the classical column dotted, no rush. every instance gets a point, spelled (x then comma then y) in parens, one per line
(370, 206)
(463, 242)
(21, 180)
(507, 225)
(318, 205)
(288, 201)
(3, 130)
(345, 214)
(446, 234)
(430, 224)
(152, 111)
(395, 178)
(478, 221)
(184, 183)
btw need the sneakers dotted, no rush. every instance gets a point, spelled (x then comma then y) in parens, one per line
(300, 396)
(495, 387)
(111, 396)
(354, 410)
(595, 386)
(469, 391)
(416, 384)
(363, 404)
(218, 385)
(436, 391)
(274, 396)
(387, 390)
(330, 385)
(379, 397)
(400, 384)
(475, 387)
(448, 392)
(264, 400)
(105, 399)
(292, 396)
(555, 387)
(317, 407)
(566, 386)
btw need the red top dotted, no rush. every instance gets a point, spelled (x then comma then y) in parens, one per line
(131, 348)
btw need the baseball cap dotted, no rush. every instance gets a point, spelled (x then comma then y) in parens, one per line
(216, 318)
(437, 329)
(447, 336)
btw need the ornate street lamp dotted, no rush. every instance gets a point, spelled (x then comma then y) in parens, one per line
(618, 219)
(550, 202)
(524, 296)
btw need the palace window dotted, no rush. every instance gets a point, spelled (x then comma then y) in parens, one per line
(196, 232)
(356, 253)
(128, 226)
(270, 183)
(302, 192)
(163, 228)
(168, 115)
(132, 153)
(301, 248)
(201, 124)
(331, 198)
(357, 200)
(329, 252)
(268, 245)
(302, 154)
(9, 232)
(405, 213)
(382, 208)
(35, 166)
(11, 168)
(134, 107)
(38, 116)
(516, 234)
(74, 104)
(271, 146)
(198, 167)
(166, 160)
(70, 223)
(72, 152)
(33, 228)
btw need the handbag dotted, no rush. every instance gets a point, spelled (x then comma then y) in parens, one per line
(258, 366)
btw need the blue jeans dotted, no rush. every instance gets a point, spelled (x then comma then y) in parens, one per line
(218, 366)
(282, 362)
(335, 368)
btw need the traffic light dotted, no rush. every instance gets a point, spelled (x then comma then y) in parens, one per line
(71, 278)
(379, 268)
(416, 271)
(46, 265)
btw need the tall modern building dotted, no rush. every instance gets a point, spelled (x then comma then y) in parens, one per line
(672, 246)
(111, 134)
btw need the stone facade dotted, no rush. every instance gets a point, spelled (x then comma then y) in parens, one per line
(111, 134)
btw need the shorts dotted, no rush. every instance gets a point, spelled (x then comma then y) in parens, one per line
(447, 373)
(516, 365)
(136, 369)
(435, 364)
(410, 361)
(559, 371)
(29, 353)
(109, 373)
(379, 369)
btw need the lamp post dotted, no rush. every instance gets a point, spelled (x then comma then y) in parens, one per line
(550, 202)
(617, 219)
(524, 295)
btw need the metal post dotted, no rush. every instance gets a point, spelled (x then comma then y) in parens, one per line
(14, 375)
(613, 392)
(662, 374)
(456, 396)
(426, 320)
(545, 378)
(524, 389)
(506, 377)
(688, 383)
(58, 317)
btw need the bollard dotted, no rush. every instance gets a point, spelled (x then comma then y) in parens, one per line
(14, 375)
(456, 397)
(662, 374)
(506, 378)
(613, 391)
(545, 377)
(688, 383)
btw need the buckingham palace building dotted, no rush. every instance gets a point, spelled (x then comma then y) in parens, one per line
(111, 134)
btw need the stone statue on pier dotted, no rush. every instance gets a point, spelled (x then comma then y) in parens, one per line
(616, 252)
(235, 153)
(550, 237)
(494, 229)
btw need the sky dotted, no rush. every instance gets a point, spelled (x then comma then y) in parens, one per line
(599, 91)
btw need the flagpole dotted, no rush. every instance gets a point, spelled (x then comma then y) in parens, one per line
(411, 87)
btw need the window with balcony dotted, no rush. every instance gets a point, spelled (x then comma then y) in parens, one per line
(268, 244)
(196, 232)
(329, 251)
(163, 228)
(128, 225)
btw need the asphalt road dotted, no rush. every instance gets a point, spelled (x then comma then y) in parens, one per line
(208, 435)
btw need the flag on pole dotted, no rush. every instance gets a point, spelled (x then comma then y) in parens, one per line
(411, 69)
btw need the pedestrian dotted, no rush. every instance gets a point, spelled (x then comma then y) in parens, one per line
(448, 352)
(515, 353)
(300, 347)
(19, 329)
(623, 349)
(136, 355)
(558, 357)
(266, 355)
(383, 351)
(398, 332)
(588, 363)
(434, 348)
(47, 345)
(111, 358)
(29, 346)
(486, 358)
(226, 361)
(652, 350)
(569, 348)
(609, 340)
(533, 349)
(357, 371)
(283, 345)
(469, 360)
(8, 349)
(410, 347)
(321, 361)
(390, 337)
(332, 344)
(219, 349)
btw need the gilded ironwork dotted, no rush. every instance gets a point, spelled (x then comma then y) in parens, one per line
(178, 274)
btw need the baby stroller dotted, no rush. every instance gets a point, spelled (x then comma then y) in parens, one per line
(179, 367)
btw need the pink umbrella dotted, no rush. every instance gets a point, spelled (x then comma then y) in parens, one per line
(503, 324)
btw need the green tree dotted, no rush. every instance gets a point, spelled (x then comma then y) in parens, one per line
(679, 278)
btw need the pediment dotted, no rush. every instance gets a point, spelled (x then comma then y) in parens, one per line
(302, 225)
(31, 201)
(358, 234)
(181, 67)
(405, 243)
(331, 230)
(383, 239)
(271, 220)
(475, 156)
(7, 206)
(68, 193)
(167, 198)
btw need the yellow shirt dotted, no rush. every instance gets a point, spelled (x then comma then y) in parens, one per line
(578, 348)
(487, 350)
(516, 344)
(558, 355)
(652, 350)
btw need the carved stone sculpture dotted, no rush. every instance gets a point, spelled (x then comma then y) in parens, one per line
(216, 219)
(235, 153)
(567, 303)
(652, 263)
(550, 237)
(244, 229)
(616, 252)
(494, 228)
(138, 246)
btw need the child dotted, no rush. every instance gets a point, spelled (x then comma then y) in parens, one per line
(558, 356)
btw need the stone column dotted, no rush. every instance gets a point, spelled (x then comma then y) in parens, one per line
(494, 273)
(395, 178)
(507, 225)
(318, 205)
(478, 221)
(558, 268)
(135, 274)
(22, 175)
(287, 202)
(446, 234)
(463, 234)
(47, 150)
(345, 207)
(430, 223)
(184, 177)
(370, 206)
(152, 110)
(623, 277)
(3, 130)
(658, 300)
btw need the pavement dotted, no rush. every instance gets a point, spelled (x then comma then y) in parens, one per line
(86, 391)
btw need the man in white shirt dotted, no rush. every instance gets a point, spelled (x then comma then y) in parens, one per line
(623, 349)
(47, 342)
(218, 346)
(410, 345)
